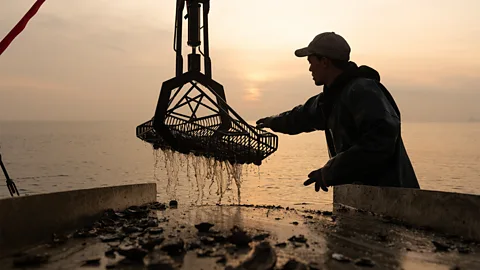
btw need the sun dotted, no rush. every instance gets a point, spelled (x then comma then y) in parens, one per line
(252, 94)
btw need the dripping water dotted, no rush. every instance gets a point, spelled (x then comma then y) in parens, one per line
(207, 177)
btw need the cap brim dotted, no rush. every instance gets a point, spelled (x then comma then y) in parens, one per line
(303, 52)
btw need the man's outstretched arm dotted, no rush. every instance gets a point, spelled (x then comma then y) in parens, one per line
(302, 118)
(379, 126)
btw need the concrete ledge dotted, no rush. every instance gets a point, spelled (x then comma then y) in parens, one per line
(29, 220)
(450, 213)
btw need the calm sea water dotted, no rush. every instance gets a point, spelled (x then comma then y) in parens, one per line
(56, 156)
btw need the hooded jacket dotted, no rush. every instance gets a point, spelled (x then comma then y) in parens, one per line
(362, 127)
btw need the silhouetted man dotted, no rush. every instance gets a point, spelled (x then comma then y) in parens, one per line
(359, 116)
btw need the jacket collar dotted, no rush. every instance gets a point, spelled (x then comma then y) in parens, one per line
(333, 91)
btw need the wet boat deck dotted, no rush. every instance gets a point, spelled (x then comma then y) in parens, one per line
(247, 237)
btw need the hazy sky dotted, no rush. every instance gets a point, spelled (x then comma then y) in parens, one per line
(103, 59)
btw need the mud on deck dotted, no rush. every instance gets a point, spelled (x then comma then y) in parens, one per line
(160, 236)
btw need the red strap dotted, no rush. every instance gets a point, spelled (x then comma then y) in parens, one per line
(20, 26)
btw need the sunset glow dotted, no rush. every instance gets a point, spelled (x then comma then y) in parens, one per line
(122, 51)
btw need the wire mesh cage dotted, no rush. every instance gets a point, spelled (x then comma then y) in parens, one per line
(198, 120)
(217, 133)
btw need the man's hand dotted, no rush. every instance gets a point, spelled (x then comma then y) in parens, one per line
(317, 178)
(264, 122)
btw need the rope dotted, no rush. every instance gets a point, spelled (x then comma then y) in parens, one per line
(20, 26)
(6, 41)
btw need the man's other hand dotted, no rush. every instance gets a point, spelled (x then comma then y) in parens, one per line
(317, 178)
(264, 122)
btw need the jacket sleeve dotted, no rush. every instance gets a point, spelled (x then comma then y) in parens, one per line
(302, 118)
(378, 125)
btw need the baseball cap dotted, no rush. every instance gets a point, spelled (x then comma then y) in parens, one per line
(328, 44)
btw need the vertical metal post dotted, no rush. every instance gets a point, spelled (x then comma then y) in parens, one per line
(206, 50)
(178, 37)
(193, 7)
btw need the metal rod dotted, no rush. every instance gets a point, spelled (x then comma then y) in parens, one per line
(178, 35)
(179, 102)
(206, 50)
(12, 188)
(193, 7)
(175, 95)
(192, 116)
(198, 103)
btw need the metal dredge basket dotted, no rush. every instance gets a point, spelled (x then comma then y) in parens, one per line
(199, 120)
